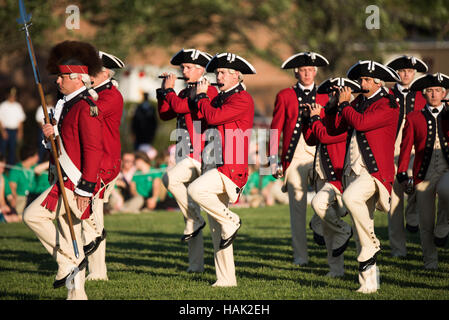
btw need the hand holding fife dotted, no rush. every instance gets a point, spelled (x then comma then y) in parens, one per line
(169, 81)
(315, 109)
(344, 95)
(202, 86)
(48, 130)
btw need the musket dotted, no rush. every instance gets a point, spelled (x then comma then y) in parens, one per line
(192, 83)
(25, 20)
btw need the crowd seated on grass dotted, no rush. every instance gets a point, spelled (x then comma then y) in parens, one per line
(24, 182)
(122, 190)
(139, 186)
(261, 190)
(7, 212)
(144, 186)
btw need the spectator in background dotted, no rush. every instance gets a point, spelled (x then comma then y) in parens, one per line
(21, 177)
(262, 190)
(7, 214)
(12, 118)
(144, 123)
(149, 150)
(122, 190)
(272, 191)
(251, 192)
(145, 186)
(166, 199)
(40, 181)
(40, 119)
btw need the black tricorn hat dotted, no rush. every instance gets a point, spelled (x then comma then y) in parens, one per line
(372, 69)
(430, 80)
(191, 56)
(304, 59)
(327, 85)
(407, 62)
(110, 61)
(74, 53)
(230, 61)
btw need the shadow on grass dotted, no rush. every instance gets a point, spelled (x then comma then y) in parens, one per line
(45, 263)
(13, 295)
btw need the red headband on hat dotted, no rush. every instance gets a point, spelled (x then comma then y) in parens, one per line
(73, 69)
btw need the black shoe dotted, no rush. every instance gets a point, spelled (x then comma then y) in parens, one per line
(103, 235)
(337, 252)
(224, 243)
(440, 242)
(316, 237)
(189, 236)
(411, 229)
(93, 245)
(363, 266)
(61, 282)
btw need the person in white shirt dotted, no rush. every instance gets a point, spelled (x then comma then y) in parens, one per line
(12, 125)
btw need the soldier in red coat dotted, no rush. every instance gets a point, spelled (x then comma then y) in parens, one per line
(289, 115)
(406, 67)
(110, 103)
(368, 172)
(225, 157)
(79, 128)
(427, 130)
(190, 129)
(329, 159)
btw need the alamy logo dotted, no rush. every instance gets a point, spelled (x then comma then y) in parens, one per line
(373, 20)
(230, 147)
(73, 20)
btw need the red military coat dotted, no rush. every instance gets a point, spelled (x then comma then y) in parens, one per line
(332, 148)
(376, 129)
(419, 131)
(232, 114)
(82, 137)
(171, 106)
(285, 120)
(110, 103)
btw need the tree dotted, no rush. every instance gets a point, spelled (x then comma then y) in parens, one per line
(331, 27)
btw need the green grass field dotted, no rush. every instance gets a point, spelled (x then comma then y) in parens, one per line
(146, 260)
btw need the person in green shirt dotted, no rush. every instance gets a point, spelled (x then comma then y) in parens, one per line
(21, 177)
(251, 194)
(7, 214)
(262, 190)
(145, 186)
(40, 181)
(166, 199)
